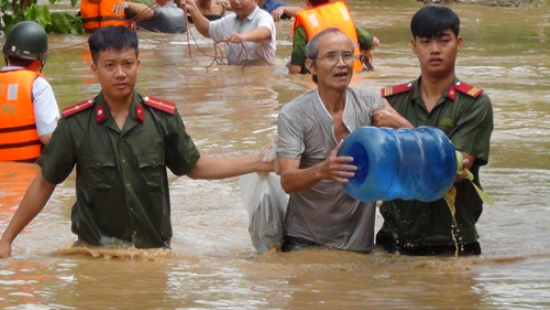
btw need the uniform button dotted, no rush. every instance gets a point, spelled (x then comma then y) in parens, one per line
(124, 161)
(132, 209)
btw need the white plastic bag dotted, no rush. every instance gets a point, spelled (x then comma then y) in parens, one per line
(265, 201)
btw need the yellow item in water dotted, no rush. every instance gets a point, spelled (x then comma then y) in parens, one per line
(450, 196)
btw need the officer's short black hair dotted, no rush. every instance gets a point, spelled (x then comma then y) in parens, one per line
(315, 3)
(115, 37)
(431, 21)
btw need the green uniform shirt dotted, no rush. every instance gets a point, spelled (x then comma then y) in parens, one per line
(468, 122)
(298, 55)
(121, 179)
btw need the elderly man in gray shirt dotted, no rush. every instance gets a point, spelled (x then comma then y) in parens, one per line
(310, 131)
(166, 18)
(248, 32)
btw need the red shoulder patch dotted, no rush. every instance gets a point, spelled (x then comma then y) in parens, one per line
(159, 104)
(393, 90)
(468, 89)
(81, 106)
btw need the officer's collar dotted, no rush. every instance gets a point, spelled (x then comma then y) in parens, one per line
(450, 92)
(103, 113)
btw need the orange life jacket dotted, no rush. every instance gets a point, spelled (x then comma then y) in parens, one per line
(98, 14)
(19, 139)
(315, 20)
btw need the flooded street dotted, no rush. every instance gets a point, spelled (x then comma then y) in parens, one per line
(231, 111)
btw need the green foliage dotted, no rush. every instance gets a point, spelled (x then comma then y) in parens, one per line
(63, 22)
(8, 21)
(539, 3)
(58, 22)
(5, 5)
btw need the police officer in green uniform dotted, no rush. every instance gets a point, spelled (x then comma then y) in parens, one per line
(439, 99)
(121, 143)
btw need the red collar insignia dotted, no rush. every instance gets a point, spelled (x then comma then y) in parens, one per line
(99, 113)
(139, 113)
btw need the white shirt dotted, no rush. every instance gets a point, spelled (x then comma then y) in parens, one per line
(46, 111)
(261, 53)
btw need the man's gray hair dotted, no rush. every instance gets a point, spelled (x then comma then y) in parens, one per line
(312, 47)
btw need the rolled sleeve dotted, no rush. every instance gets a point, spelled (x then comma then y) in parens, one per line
(58, 157)
(217, 30)
(181, 153)
(365, 38)
(46, 111)
(290, 143)
(298, 56)
(473, 132)
(267, 22)
(380, 104)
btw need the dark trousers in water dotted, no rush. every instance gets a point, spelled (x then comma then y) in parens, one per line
(294, 243)
(388, 243)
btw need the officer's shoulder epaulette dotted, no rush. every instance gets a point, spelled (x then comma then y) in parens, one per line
(81, 106)
(394, 90)
(468, 89)
(160, 104)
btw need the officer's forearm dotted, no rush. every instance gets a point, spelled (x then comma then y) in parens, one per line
(33, 202)
(211, 168)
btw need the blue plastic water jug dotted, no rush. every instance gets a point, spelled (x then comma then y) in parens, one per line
(408, 164)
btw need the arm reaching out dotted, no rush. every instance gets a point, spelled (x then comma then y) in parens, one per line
(210, 168)
(389, 117)
(201, 23)
(142, 10)
(368, 52)
(259, 34)
(33, 202)
(290, 11)
(336, 168)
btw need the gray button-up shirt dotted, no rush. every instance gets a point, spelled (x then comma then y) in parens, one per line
(325, 213)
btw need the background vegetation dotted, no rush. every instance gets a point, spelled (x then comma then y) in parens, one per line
(15, 11)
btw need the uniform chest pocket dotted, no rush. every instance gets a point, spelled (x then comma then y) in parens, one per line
(152, 168)
(101, 170)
